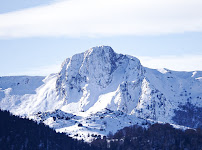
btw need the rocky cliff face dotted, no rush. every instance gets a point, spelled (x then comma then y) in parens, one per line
(98, 71)
(100, 81)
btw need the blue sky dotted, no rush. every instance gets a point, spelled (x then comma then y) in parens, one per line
(11, 5)
(36, 36)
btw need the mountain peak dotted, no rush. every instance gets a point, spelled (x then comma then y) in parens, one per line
(103, 53)
(103, 49)
(97, 68)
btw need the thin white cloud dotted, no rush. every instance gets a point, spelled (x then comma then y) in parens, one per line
(177, 63)
(104, 18)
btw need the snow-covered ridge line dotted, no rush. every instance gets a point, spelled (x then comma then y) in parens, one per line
(100, 82)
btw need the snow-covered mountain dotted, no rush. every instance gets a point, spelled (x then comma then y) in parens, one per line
(100, 91)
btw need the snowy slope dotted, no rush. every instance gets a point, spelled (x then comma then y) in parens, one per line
(99, 91)
(16, 89)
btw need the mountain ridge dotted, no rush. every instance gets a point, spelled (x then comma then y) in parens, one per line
(100, 83)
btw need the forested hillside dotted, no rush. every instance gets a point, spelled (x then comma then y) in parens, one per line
(157, 137)
(23, 134)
